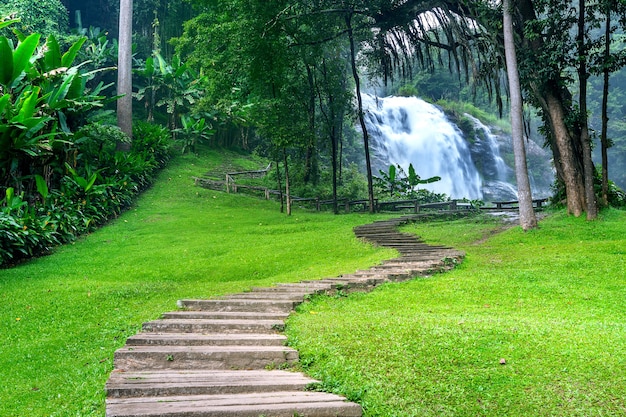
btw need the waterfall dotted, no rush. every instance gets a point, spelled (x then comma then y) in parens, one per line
(498, 177)
(407, 130)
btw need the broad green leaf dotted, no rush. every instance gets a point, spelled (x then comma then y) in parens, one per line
(23, 53)
(180, 71)
(52, 56)
(28, 105)
(6, 62)
(8, 23)
(55, 100)
(92, 180)
(392, 173)
(10, 192)
(68, 58)
(19, 34)
(4, 100)
(42, 186)
(63, 122)
(77, 87)
(149, 72)
(162, 65)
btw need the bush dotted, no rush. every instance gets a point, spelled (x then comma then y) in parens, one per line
(99, 186)
(616, 196)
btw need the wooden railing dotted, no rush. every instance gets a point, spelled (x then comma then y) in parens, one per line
(501, 205)
(348, 206)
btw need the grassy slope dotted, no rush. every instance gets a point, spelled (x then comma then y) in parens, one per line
(551, 303)
(62, 316)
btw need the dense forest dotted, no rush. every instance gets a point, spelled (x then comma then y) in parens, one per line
(286, 80)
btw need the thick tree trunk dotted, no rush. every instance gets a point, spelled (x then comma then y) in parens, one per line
(570, 167)
(589, 170)
(124, 72)
(567, 160)
(528, 220)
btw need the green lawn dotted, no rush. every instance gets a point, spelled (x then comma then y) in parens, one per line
(63, 316)
(549, 304)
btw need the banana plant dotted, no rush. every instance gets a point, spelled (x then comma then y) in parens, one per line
(42, 91)
(193, 130)
(14, 61)
(413, 180)
(172, 85)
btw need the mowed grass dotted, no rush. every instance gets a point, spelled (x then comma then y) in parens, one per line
(530, 324)
(62, 316)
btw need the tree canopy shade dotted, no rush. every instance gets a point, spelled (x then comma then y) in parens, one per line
(42, 16)
(252, 51)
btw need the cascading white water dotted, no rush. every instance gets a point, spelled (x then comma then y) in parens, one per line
(496, 174)
(408, 130)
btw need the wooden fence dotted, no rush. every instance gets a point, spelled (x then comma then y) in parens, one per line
(414, 206)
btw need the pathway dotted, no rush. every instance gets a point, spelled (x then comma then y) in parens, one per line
(226, 357)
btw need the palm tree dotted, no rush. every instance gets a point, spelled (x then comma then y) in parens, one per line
(528, 220)
(124, 71)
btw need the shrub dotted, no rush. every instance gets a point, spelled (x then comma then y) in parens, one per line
(100, 185)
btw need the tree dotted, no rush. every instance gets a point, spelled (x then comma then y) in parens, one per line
(44, 16)
(124, 71)
(528, 219)
(470, 30)
(368, 164)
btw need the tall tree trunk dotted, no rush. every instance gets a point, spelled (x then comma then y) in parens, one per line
(549, 94)
(570, 166)
(310, 171)
(124, 71)
(280, 187)
(604, 140)
(528, 220)
(589, 170)
(355, 74)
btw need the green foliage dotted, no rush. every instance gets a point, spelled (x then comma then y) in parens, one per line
(617, 196)
(192, 131)
(47, 17)
(396, 183)
(98, 186)
(174, 86)
(44, 97)
(408, 90)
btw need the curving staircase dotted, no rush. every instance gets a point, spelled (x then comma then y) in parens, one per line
(227, 357)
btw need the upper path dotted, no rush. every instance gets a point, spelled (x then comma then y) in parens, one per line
(227, 357)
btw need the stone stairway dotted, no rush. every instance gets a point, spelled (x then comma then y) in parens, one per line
(226, 357)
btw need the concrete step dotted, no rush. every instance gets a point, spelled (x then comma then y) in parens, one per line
(278, 404)
(194, 382)
(206, 339)
(310, 288)
(270, 306)
(224, 315)
(214, 326)
(268, 295)
(139, 358)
